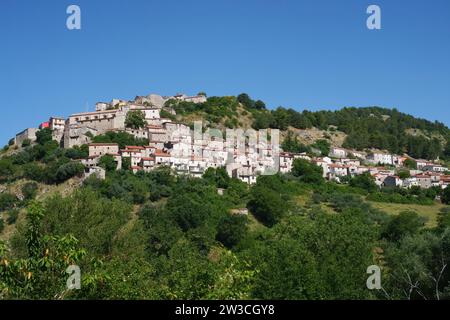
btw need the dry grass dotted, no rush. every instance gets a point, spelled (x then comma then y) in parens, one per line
(428, 212)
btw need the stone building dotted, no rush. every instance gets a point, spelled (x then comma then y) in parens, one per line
(29, 134)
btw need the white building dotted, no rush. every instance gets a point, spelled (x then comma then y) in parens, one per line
(338, 152)
(434, 168)
(377, 157)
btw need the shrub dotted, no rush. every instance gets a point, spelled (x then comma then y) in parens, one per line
(266, 205)
(13, 214)
(107, 162)
(445, 197)
(26, 143)
(364, 181)
(34, 172)
(231, 230)
(135, 119)
(7, 201)
(121, 138)
(406, 223)
(246, 100)
(22, 157)
(6, 168)
(69, 170)
(307, 172)
(29, 190)
(43, 136)
(77, 152)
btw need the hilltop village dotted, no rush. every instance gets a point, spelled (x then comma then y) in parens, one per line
(175, 145)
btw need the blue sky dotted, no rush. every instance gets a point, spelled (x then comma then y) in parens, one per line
(311, 54)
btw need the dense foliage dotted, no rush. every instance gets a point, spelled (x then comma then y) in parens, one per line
(121, 138)
(158, 236)
(135, 119)
(371, 127)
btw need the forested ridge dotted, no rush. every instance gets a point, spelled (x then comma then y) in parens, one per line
(365, 128)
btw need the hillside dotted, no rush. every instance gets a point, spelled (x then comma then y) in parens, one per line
(292, 235)
(355, 128)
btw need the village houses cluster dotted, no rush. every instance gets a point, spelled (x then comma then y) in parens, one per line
(175, 145)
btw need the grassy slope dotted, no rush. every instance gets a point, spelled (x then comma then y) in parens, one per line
(429, 212)
(44, 191)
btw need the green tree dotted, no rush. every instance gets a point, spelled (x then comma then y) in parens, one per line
(77, 152)
(26, 143)
(307, 171)
(135, 119)
(260, 105)
(121, 138)
(195, 205)
(323, 146)
(318, 257)
(217, 176)
(107, 162)
(403, 174)
(364, 181)
(262, 120)
(69, 170)
(93, 219)
(7, 169)
(418, 266)
(445, 197)
(280, 118)
(231, 230)
(406, 223)
(41, 274)
(245, 100)
(267, 205)
(292, 144)
(410, 163)
(444, 218)
(43, 136)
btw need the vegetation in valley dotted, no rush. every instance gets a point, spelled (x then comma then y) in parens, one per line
(159, 236)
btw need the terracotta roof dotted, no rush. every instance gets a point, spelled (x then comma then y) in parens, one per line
(338, 166)
(161, 154)
(131, 151)
(93, 113)
(102, 144)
